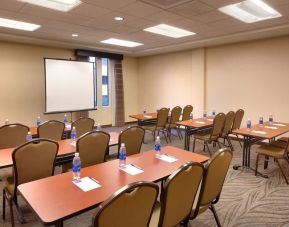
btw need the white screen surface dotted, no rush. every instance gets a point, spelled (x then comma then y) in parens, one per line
(69, 85)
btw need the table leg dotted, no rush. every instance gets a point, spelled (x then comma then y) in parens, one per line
(59, 224)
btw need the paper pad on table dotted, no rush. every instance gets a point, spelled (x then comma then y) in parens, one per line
(131, 169)
(271, 127)
(148, 116)
(167, 158)
(277, 124)
(259, 132)
(200, 122)
(86, 184)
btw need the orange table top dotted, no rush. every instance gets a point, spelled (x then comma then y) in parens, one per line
(197, 123)
(65, 148)
(56, 198)
(142, 117)
(268, 131)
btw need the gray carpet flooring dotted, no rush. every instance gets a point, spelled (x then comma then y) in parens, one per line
(246, 200)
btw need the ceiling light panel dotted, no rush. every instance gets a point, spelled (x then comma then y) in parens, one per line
(170, 31)
(61, 5)
(7, 23)
(120, 42)
(250, 11)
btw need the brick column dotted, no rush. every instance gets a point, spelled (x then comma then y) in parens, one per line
(119, 94)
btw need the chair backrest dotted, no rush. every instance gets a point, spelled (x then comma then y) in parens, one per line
(215, 173)
(132, 205)
(12, 135)
(133, 138)
(83, 125)
(92, 147)
(238, 119)
(229, 119)
(188, 109)
(51, 130)
(179, 194)
(218, 125)
(175, 114)
(34, 160)
(162, 117)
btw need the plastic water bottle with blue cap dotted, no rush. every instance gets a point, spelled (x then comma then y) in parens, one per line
(205, 114)
(213, 113)
(271, 119)
(73, 135)
(98, 127)
(38, 121)
(261, 121)
(28, 137)
(249, 124)
(122, 156)
(158, 146)
(76, 166)
(144, 111)
(65, 120)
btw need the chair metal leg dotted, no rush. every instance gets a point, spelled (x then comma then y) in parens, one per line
(194, 143)
(230, 143)
(4, 205)
(219, 145)
(256, 168)
(239, 140)
(212, 208)
(165, 136)
(266, 161)
(207, 145)
(282, 171)
(11, 213)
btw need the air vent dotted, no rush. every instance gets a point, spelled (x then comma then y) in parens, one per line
(166, 4)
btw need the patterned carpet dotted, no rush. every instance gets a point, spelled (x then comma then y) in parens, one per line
(246, 200)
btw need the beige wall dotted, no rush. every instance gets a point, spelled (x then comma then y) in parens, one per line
(22, 89)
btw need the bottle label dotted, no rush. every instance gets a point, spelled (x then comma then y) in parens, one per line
(73, 136)
(157, 147)
(249, 124)
(76, 168)
(191, 116)
(205, 115)
(261, 121)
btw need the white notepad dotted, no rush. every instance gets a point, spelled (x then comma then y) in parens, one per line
(167, 158)
(147, 116)
(131, 169)
(271, 127)
(277, 124)
(200, 122)
(73, 144)
(259, 132)
(86, 184)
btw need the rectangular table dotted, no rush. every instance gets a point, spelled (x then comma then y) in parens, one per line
(56, 198)
(256, 134)
(65, 149)
(142, 119)
(193, 126)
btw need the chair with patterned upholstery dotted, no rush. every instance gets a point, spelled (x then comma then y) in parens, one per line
(83, 125)
(175, 117)
(12, 135)
(131, 205)
(237, 123)
(31, 161)
(229, 119)
(51, 130)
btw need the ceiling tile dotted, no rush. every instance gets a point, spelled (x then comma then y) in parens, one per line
(191, 9)
(110, 4)
(89, 10)
(11, 5)
(139, 9)
(210, 16)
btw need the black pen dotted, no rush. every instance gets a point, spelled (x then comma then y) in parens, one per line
(137, 167)
(94, 180)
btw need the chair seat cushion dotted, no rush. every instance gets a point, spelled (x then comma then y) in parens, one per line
(283, 139)
(279, 144)
(151, 127)
(203, 136)
(270, 150)
(155, 215)
(171, 125)
(201, 210)
(9, 184)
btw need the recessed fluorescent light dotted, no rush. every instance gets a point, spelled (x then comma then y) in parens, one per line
(118, 18)
(7, 23)
(61, 5)
(120, 42)
(167, 30)
(250, 11)
(74, 35)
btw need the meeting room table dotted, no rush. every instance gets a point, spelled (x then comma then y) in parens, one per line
(194, 126)
(145, 119)
(256, 134)
(65, 151)
(57, 198)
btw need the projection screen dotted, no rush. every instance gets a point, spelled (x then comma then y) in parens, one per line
(69, 85)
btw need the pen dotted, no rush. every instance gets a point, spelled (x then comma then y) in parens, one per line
(169, 156)
(94, 180)
(137, 167)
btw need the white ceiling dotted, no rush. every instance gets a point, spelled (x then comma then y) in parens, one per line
(94, 21)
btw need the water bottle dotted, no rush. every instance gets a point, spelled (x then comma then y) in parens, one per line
(261, 121)
(76, 166)
(122, 156)
(98, 127)
(65, 120)
(213, 113)
(205, 114)
(191, 116)
(249, 124)
(28, 137)
(38, 121)
(158, 109)
(270, 119)
(7, 122)
(73, 135)
(158, 146)
(144, 111)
